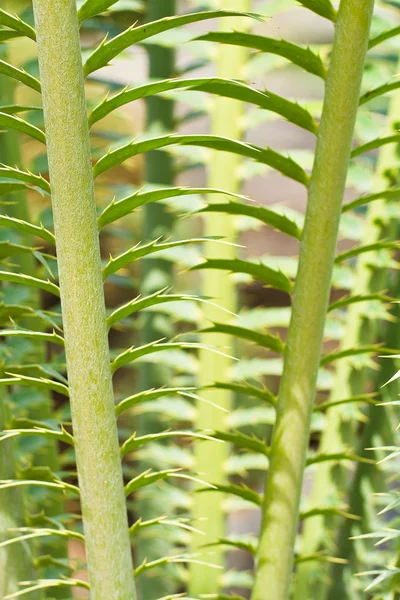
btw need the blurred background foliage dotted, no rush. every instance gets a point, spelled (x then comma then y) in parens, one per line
(345, 493)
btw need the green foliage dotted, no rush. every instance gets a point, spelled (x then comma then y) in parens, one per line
(75, 364)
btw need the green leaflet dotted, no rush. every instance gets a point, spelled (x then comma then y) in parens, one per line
(148, 396)
(61, 436)
(302, 57)
(133, 443)
(267, 100)
(138, 251)
(323, 8)
(139, 303)
(40, 383)
(133, 354)
(14, 22)
(146, 566)
(383, 576)
(336, 457)
(250, 442)
(117, 210)
(363, 398)
(171, 408)
(33, 335)
(248, 390)
(8, 483)
(12, 109)
(14, 311)
(147, 478)
(379, 91)
(13, 122)
(270, 277)
(8, 249)
(391, 194)
(139, 524)
(241, 491)
(37, 371)
(37, 533)
(9, 187)
(29, 178)
(30, 282)
(261, 213)
(141, 91)
(284, 165)
(109, 50)
(331, 357)
(347, 300)
(265, 340)
(325, 511)
(346, 254)
(44, 584)
(20, 75)
(26, 227)
(92, 8)
(240, 542)
(373, 144)
(6, 34)
(382, 37)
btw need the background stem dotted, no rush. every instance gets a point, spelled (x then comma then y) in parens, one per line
(82, 298)
(340, 432)
(40, 402)
(310, 300)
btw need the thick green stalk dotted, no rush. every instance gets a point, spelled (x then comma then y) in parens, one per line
(310, 301)
(210, 457)
(340, 429)
(377, 425)
(82, 299)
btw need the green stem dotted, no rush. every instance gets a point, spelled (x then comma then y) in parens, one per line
(210, 457)
(373, 280)
(340, 429)
(82, 299)
(310, 301)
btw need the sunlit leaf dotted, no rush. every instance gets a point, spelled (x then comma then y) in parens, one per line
(30, 282)
(109, 50)
(323, 8)
(261, 213)
(20, 75)
(17, 124)
(124, 207)
(261, 272)
(281, 163)
(265, 340)
(14, 22)
(302, 57)
(382, 37)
